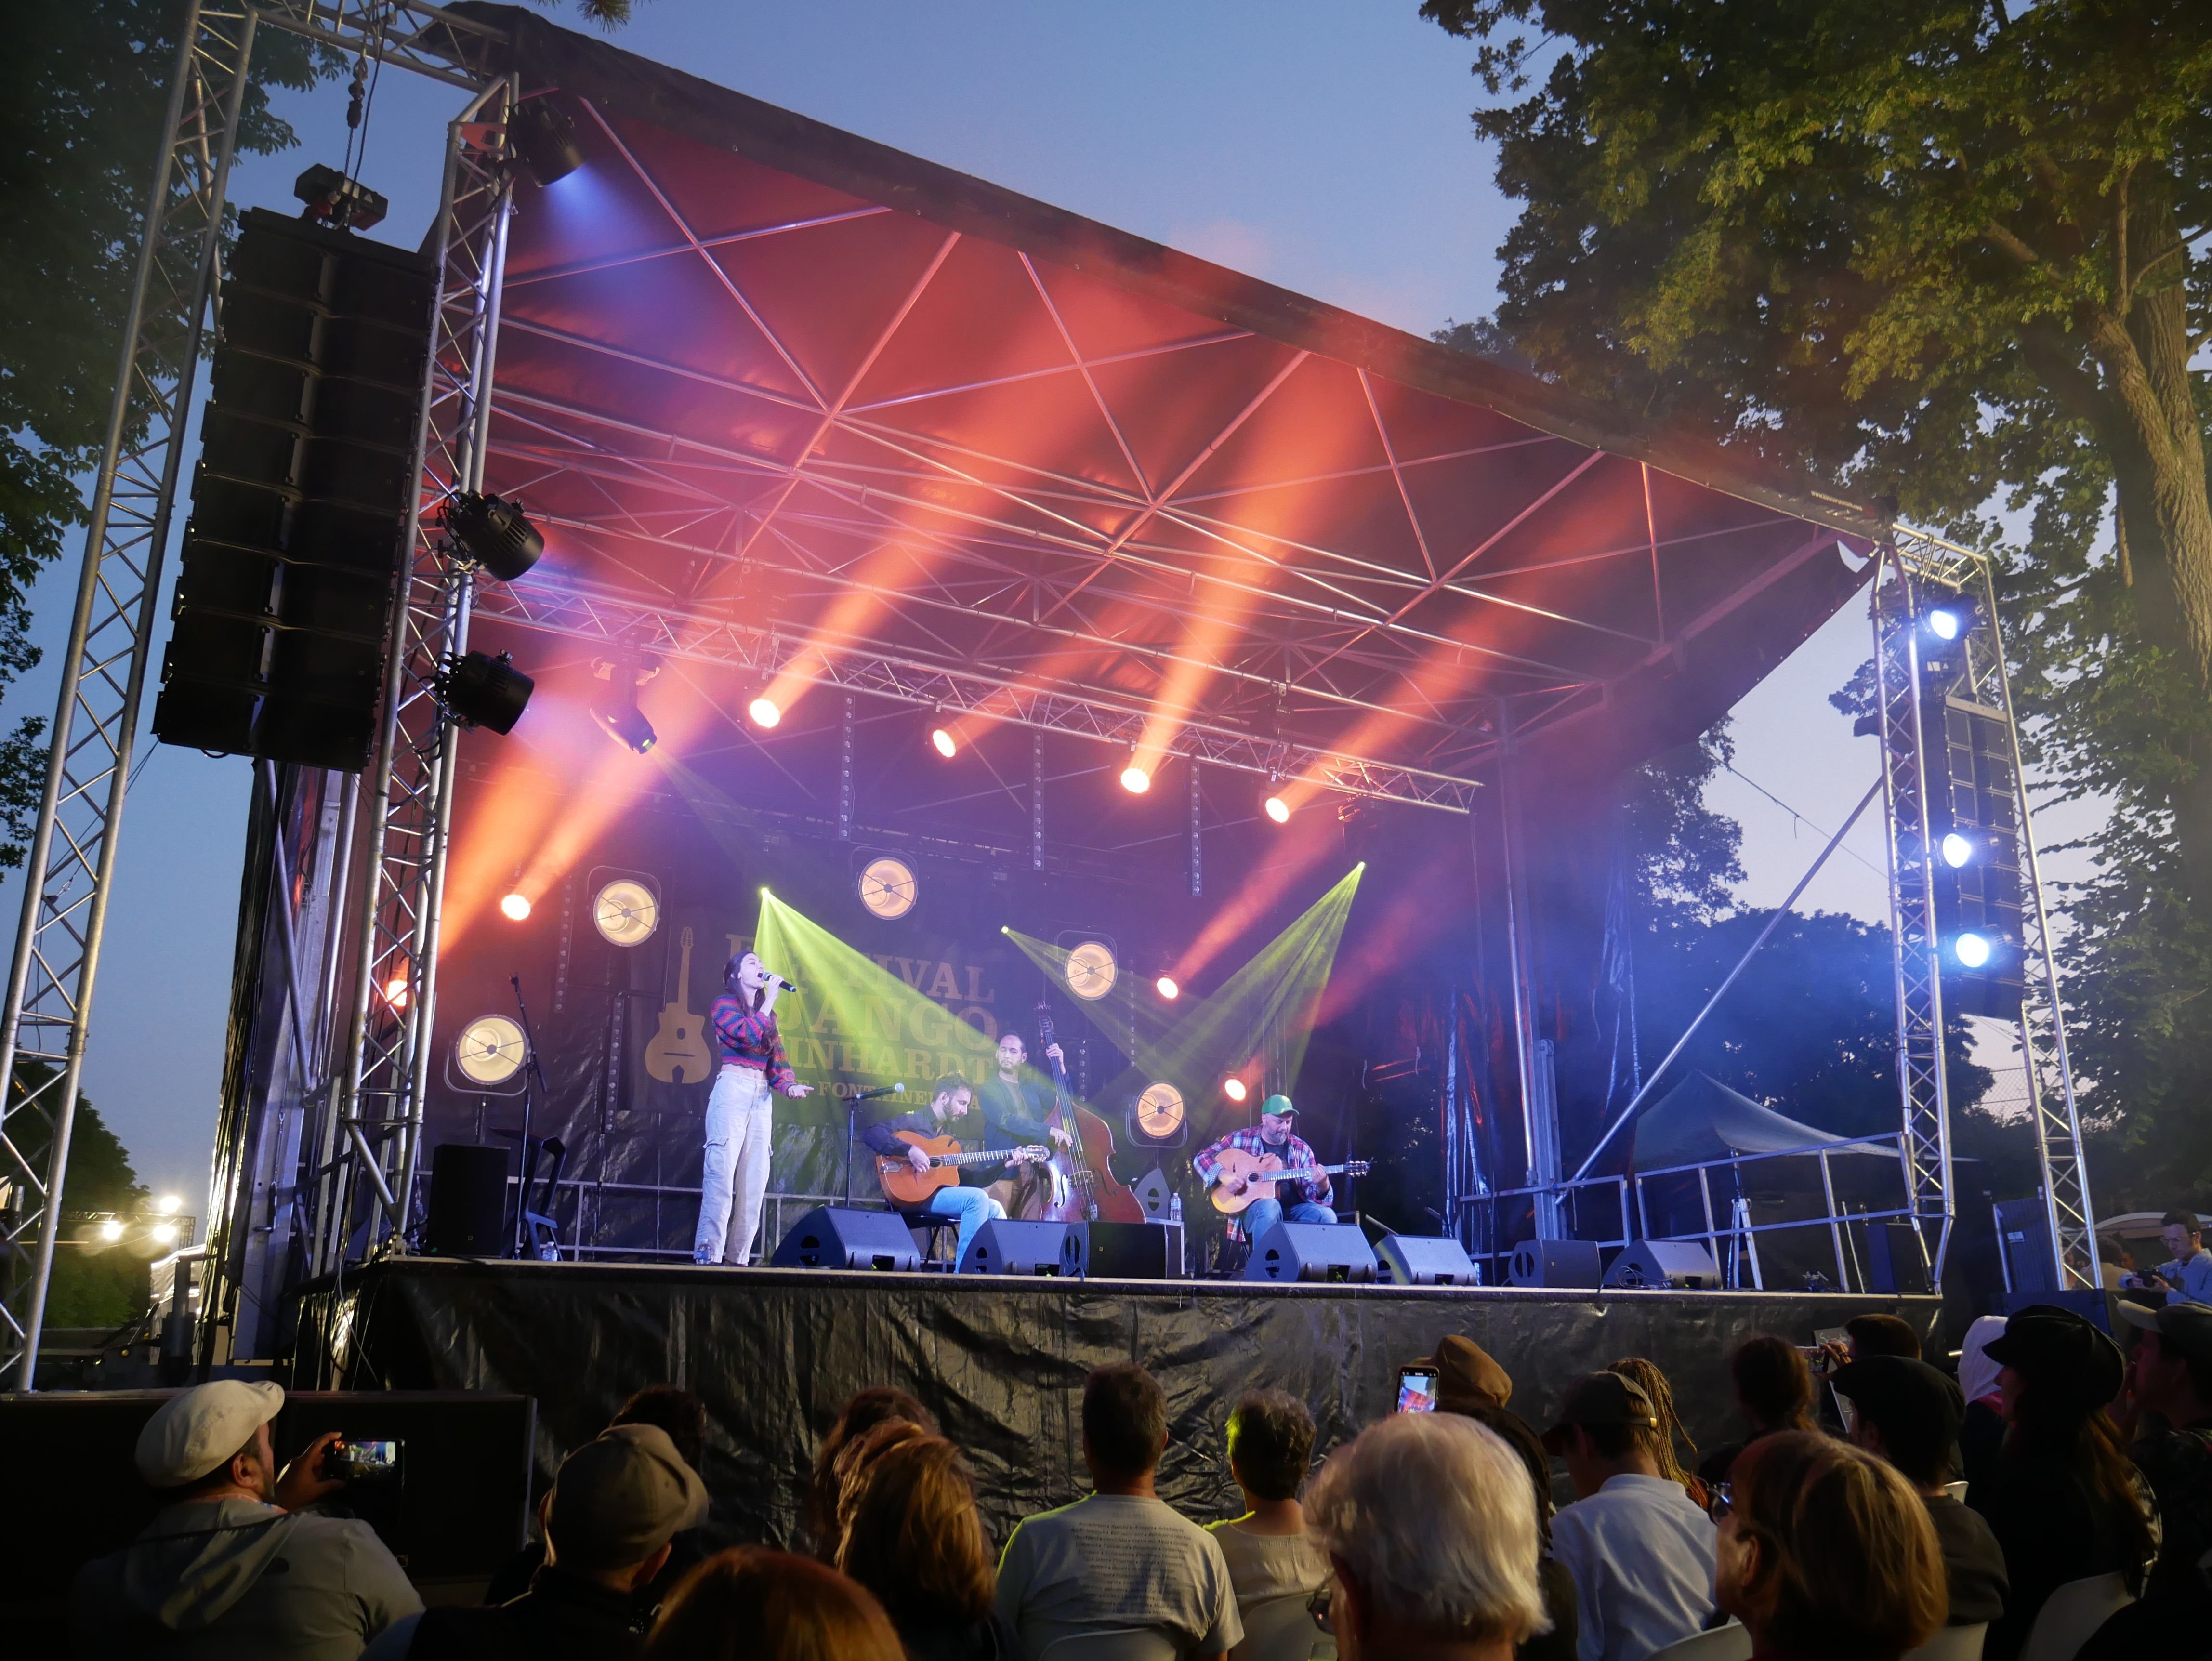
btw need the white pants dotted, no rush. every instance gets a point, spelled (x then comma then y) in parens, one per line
(739, 1114)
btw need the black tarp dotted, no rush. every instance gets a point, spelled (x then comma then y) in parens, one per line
(1000, 1362)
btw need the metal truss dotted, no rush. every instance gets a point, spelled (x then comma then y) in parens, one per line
(617, 620)
(175, 288)
(1922, 1082)
(2061, 1163)
(387, 1058)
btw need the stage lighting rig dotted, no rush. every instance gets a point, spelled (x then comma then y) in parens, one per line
(1167, 987)
(1277, 809)
(1233, 1087)
(494, 533)
(1958, 850)
(477, 690)
(942, 741)
(616, 710)
(544, 139)
(332, 199)
(1971, 949)
(1136, 779)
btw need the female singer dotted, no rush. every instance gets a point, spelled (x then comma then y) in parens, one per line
(739, 1113)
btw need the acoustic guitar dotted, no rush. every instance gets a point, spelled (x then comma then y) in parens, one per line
(1245, 1178)
(679, 1052)
(903, 1185)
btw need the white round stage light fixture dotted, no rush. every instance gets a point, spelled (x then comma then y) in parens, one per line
(1135, 780)
(515, 907)
(165, 1234)
(111, 1229)
(169, 1205)
(943, 743)
(1277, 809)
(1234, 1088)
(1943, 624)
(395, 992)
(1166, 987)
(764, 711)
(1958, 850)
(1973, 949)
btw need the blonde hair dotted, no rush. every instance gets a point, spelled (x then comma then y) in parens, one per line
(1646, 1376)
(771, 1606)
(912, 1536)
(1433, 1515)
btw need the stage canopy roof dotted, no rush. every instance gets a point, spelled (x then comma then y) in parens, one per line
(787, 399)
(1701, 1122)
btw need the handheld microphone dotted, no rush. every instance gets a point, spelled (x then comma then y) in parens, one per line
(898, 1089)
(788, 986)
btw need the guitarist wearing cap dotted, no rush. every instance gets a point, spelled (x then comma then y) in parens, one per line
(1300, 1199)
(950, 1097)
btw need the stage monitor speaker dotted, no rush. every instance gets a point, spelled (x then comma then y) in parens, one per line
(1682, 1265)
(2024, 1238)
(308, 466)
(1153, 1194)
(1420, 1260)
(832, 1237)
(467, 1213)
(1556, 1264)
(1312, 1251)
(1896, 1260)
(1003, 1246)
(1134, 1252)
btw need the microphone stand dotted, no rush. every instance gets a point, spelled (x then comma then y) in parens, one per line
(516, 1247)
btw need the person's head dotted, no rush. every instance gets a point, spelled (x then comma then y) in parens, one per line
(2056, 1370)
(617, 1503)
(753, 1604)
(1908, 1413)
(1978, 1374)
(1430, 1525)
(1013, 1052)
(211, 1439)
(2114, 1250)
(912, 1536)
(1773, 1384)
(1607, 1428)
(862, 1413)
(1881, 1335)
(746, 977)
(950, 1096)
(1468, 1377)
(677, 1411)
(1271, 1438)
(855, 1464)
(1124, 1422)
(2171, 1361)
(1646, 1377)
(2182, 1233)
(1278, 1119)
(1826, 1553)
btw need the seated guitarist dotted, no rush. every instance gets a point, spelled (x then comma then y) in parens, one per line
(1299, 1200)
(950, 1099)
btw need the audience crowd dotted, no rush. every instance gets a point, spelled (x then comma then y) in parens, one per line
(1874, 1500)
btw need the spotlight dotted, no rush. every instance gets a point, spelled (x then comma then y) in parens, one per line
(619, 717)
(516, 907)
(545, 138)
(332, 199)
(1166, 987)
(1134, 779)
(1278, 810)
(169, 1205)
(1957, 849)
(111, 1229)
(477, 690)
(943, 743)
(1943, 624)
(395, 992)
(1973, 949)
(165, 1234)
(765, 711)
(492, 533)
(1234, 1089)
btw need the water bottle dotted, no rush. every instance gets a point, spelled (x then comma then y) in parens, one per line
(1175, 1210)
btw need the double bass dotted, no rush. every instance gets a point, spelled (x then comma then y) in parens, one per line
(1078, 1184)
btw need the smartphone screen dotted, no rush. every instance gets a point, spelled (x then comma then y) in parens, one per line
(366, 1462)
(1417, 1389)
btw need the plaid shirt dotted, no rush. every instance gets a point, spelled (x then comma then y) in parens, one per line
(748, 1037)
(1294, 1153)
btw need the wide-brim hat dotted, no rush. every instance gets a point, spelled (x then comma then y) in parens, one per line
(2058, 1350)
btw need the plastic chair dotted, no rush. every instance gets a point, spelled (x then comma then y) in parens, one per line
(1952, 1643)
(1280, 1629)
(2071, 1613)
(1123, 1644)
(1729, 1643)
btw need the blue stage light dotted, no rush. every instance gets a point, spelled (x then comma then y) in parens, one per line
(1943, 624)
(1973, 949)
(1957, 849)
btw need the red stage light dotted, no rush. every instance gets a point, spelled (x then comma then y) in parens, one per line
(395, 992)
(1135, 780)
(516, 906)
(1234, 1089)
(765, 711)
(1166, 987)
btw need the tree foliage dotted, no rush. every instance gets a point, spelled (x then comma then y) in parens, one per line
(1950, 253)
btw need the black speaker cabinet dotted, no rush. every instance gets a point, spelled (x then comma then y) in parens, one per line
(1420, 1260)
(467, 1215)
(1134, 1252)
(1683, 1265)
(1577, 1263)
(1312, 1251)
(832, 1237)
(1003, 1246)
(1895, 1260)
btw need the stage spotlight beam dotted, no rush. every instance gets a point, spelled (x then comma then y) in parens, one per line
(1958, 850)
(515, 907)
(1134, 779)
(545, 142)
(1943, 623)
(477, 690)
(1971, 949)
(1277, 809)
(764, 711)
(1234, 1089)
(943, 743)
(1166, 987)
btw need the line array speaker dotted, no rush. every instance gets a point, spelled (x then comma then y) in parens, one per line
(307, 464)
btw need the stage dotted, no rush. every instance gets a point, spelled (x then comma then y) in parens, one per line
(1001, 1360)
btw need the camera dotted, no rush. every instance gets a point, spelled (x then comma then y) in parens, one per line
(362, 1461)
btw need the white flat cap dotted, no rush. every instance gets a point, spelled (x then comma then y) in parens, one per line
(200, 1428)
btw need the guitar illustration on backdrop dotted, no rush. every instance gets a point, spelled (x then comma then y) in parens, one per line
(678, 1052)
(1246, 1177)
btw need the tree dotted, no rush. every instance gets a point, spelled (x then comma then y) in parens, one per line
(92, 1285)
(1950, 253)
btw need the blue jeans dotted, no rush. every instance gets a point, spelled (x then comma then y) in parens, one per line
(973, 1207)
(1263, 1214)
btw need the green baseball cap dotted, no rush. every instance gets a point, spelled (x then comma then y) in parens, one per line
(1279, 1105)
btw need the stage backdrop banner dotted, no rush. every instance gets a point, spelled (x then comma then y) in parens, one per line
(1000, 1362)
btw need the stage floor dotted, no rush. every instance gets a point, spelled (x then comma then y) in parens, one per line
(1001, 1360)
